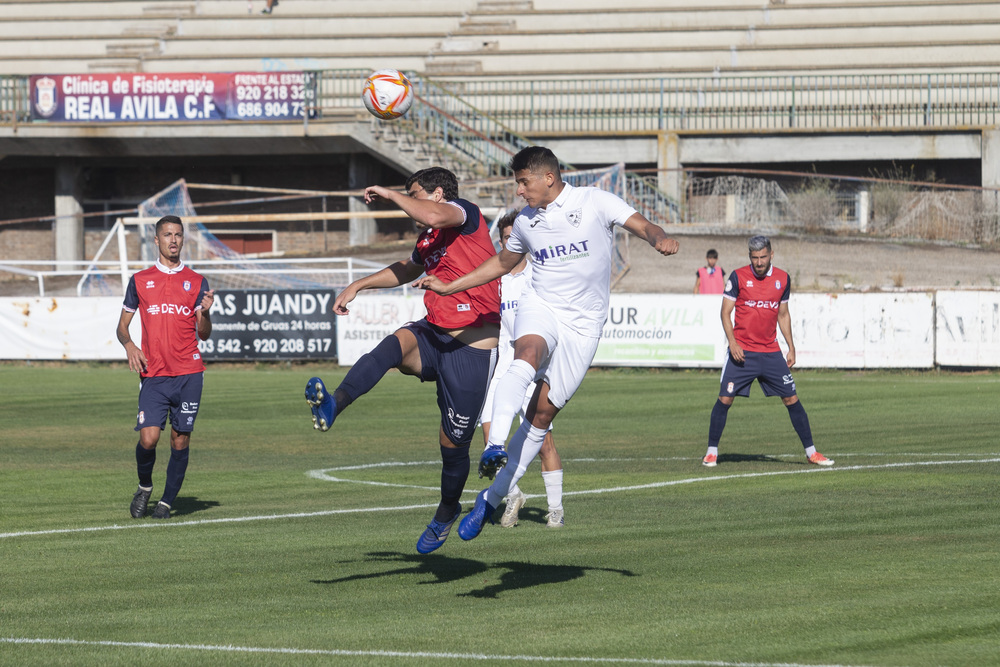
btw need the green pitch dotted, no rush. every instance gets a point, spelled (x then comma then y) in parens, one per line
(889, 558)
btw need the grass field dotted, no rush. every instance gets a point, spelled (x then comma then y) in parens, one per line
(889, 558)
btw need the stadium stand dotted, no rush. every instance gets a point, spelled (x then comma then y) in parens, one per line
(493, 38)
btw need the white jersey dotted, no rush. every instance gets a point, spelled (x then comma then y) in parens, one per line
(512, 286)
(570, 243)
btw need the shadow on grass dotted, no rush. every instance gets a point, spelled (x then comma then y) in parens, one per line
(445, 569)
(748, 458)
(190, 505)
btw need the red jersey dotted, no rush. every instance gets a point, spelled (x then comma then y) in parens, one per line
(711, 281)
(166, 300)
(757, 301)
(452, 252)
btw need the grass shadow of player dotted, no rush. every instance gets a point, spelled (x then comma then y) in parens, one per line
(748, 458)
(446, 569)
(521, 575)
(190, 504)
(441, 569)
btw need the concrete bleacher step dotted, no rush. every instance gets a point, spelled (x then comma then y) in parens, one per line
(116, 65)
(158, 31)
(169, 9)
(479, 26)
(134, 49)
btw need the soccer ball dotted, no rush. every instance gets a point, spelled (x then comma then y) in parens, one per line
(387, 94)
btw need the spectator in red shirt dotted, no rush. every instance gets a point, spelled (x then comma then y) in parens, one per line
(758, 293)
(173, 303)
(455, 345)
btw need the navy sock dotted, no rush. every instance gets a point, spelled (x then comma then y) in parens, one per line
(454, 473)
(367, 371)
(144, 460)
(800, 420)
(717, 423)
(175, 474)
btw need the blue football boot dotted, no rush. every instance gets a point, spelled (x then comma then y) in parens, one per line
(324, 410)
(473, 523)
(493, 458)
(436, 533)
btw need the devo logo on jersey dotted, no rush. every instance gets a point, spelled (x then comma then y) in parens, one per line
(773, 305)
(168, 309)
(564, 252)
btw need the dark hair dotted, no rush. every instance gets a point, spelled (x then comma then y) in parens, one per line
(167, 220)
(759, 243)
(432, 178)
(712, 254)
(507, 220)
(536, 159)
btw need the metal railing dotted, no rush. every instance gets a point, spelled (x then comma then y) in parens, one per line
(598, 105)
(651, 104)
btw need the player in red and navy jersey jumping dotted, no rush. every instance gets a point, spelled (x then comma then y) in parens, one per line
(173, 303)
(455, 345)
(759, 295)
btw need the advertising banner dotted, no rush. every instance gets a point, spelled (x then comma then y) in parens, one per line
(145, 97)
(968, 328)
(372, 317)
(66, 328)
(663, 330)
(271, 324)
(873, 330)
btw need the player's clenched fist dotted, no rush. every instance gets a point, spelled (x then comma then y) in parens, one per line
(667, 246)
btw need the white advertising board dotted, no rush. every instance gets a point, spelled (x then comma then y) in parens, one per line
(968, 328)
(372, 317)
(67, 328)
(875, 330)
(663, 330)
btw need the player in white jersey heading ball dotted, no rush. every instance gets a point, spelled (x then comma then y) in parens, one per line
(512, 286)
(569, 232)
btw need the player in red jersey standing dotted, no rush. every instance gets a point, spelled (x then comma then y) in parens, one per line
(455, 345)
(759, 295)
(173, 303)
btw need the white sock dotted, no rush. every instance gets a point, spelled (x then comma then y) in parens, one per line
(523, 449)
(553, 488)
(507, 399)
(810, 451)
(714, 451)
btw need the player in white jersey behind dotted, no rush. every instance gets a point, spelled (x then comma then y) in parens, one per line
(569, 232)
(512, 286)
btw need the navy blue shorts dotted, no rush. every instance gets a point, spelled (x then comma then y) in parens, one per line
(462, 374)
(769, 369)
(180, 396)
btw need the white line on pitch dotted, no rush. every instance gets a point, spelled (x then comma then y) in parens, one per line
(403, 654)
(651, 485)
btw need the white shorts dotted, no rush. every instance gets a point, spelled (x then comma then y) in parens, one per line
(570, 352)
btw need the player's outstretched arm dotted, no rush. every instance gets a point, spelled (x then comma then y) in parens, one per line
(654, 235)
(427, 212)
(393, 275)
(491, 269)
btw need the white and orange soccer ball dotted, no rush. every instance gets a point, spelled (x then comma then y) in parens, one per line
(387, 94)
